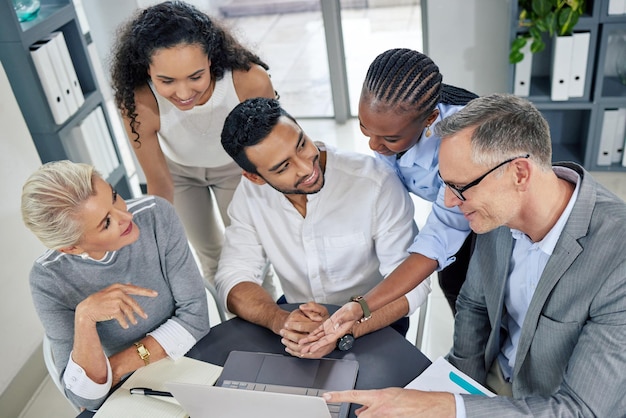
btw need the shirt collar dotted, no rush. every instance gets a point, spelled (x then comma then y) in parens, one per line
(548, 243)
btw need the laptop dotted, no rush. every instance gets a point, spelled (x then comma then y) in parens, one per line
(204, 401)
(264, 375)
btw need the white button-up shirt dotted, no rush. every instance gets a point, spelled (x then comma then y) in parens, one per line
(356, 231)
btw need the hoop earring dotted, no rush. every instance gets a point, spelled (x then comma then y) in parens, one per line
(428, 133)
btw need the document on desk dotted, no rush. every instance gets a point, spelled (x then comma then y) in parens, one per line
(187, 370)
(441, 376)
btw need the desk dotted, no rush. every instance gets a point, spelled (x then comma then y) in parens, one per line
(386, 359)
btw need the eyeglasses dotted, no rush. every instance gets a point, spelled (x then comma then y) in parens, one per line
(458, 191)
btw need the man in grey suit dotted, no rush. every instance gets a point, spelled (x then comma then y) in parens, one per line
(541, 319)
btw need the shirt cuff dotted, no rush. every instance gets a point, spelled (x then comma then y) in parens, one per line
(460, 406)
(174, 339)
(77, 381)
(418, 296)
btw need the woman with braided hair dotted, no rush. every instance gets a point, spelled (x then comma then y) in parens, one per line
(176, 75)
(402, 100)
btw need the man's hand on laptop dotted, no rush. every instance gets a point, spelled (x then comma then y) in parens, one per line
(299, 324)
(335, 327)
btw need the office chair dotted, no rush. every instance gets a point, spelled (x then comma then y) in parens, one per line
(52, 369)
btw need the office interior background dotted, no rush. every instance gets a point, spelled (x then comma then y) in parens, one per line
(317, 64)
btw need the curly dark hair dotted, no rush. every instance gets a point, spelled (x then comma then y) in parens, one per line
(250, 122)
(166, 25)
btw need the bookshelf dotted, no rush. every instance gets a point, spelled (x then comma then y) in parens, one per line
(15, 40)
(576, 124)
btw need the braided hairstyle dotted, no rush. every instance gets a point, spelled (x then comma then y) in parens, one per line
(166, 25)
(410, 82)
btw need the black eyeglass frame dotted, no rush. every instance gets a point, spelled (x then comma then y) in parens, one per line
(458, 191)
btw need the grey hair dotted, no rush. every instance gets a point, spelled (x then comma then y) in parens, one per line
(506, 126)
(51, 199)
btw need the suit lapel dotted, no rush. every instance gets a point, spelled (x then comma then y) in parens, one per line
(565, 252)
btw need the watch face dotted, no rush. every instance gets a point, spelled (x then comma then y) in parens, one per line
(346, 342)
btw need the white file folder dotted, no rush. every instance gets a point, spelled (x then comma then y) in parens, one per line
(58, 69)
(617, 152)
(55, 97)
(607, 137)
(68, 67)
(617, 7)
(578, 69)
(561, 63)
(523, 72)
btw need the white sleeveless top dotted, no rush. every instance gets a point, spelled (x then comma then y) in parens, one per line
(193, 137)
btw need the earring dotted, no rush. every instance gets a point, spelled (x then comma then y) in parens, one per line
(428, 133)
(84, 256)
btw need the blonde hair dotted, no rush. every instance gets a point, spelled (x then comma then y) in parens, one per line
(51, 198)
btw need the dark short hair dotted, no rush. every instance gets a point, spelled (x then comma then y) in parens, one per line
(249, 123)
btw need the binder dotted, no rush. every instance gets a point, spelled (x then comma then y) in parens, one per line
(106, 141)
(561, 62)
(56, 100)
(75, 146)
(617, 153)
(578, 67)
(605, 149)
(68, 67)
(59, 71)
(522, 73)
(617, 7)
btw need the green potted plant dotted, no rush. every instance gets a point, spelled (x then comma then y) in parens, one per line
(555, 17)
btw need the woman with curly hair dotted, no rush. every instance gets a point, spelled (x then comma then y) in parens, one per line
(176, 75)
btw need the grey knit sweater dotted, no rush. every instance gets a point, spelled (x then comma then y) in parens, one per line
(160, 259)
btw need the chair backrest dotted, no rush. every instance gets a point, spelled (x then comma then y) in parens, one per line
(217, 304)
(52, 368)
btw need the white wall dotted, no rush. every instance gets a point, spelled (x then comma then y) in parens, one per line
(469, 41)
(20, 327)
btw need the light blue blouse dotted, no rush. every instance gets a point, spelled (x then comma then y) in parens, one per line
(446, 228)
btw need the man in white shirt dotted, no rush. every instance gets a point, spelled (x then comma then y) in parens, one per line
(332, 224)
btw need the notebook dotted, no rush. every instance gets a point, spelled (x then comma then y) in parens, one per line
(122, 404)
(266, 372)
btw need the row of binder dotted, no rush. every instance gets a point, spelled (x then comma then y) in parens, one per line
(90, 142)
(568, 70)
(58, 76)
(617, 7)
(613, 138)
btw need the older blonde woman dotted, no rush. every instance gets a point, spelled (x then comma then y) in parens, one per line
(119, 287)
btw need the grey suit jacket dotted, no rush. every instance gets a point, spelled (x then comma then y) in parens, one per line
(571, 357)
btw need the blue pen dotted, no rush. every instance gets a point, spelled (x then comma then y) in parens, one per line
(149, 392)
(465, 384)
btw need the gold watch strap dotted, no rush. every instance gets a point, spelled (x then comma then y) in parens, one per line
(143, 352)
(366, 310)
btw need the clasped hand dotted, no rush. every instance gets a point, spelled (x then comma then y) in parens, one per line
(299, 324)
(114, 302)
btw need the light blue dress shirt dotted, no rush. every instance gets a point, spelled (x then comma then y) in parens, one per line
(446, 228)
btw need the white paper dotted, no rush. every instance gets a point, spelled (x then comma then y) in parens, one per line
(442, 376)
(122, 404)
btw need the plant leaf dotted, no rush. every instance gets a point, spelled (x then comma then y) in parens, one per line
(543, 7)
(515, 57)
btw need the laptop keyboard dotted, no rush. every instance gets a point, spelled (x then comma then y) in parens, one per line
(332, 407)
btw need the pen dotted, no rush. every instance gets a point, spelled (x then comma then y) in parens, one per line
(150, 392)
